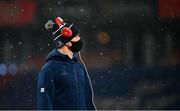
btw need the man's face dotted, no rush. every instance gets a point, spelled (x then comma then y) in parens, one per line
(75, 39)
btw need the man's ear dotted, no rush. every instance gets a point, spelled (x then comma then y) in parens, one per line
(69, 44)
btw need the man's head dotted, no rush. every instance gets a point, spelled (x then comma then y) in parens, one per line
(65, 34)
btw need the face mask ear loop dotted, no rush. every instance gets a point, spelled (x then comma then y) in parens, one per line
(87, 73)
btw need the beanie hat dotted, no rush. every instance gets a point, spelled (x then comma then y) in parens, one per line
(63, 32)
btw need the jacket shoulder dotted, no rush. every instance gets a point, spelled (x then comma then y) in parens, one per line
(50, 68)
(46, 67)
(46, 70)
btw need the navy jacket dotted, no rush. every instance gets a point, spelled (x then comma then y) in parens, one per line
(63, 84)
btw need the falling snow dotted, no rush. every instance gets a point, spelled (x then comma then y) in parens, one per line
(137, 69)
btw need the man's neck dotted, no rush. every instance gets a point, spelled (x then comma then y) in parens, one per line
(65, 50)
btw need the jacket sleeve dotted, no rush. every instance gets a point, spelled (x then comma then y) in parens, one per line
(89, 94)
(45, 90)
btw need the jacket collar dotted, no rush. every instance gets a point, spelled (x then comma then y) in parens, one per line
(56, 55)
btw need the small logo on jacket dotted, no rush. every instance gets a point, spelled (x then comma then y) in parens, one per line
(42, 90)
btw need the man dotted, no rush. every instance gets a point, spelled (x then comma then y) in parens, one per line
(63, 83)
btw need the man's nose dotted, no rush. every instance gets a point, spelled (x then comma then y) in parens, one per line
(75, 39)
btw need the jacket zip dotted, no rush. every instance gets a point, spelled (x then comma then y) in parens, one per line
(76, 85)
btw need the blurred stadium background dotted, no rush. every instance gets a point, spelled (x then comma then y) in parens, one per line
(132, 50)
